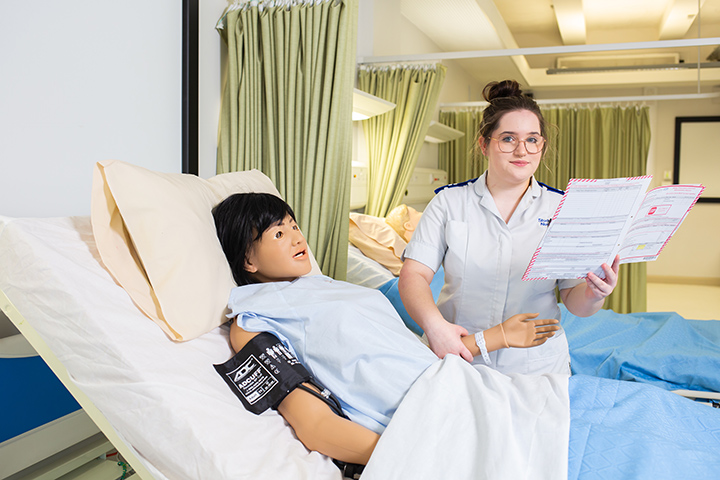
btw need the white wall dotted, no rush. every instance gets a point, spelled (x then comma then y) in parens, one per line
(694, 251)
(82, 82)
(88, 81)
(211, 50)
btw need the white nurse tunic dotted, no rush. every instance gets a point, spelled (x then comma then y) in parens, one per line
(484, 260)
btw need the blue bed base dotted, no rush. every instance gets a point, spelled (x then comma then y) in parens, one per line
(31, 396)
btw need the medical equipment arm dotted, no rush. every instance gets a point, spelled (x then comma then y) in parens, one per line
(414, 287)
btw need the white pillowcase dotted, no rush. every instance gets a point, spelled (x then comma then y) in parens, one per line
(156, 236)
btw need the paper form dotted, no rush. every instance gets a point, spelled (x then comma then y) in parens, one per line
(598, 219)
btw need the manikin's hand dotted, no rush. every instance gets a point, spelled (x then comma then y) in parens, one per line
(597, 288)
(446, 338)
(522, 331)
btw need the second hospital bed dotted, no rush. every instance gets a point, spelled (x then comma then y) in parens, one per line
(169, 414)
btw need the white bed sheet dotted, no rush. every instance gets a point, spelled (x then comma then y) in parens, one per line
(163, 398)
(460, 421)
(365, 271)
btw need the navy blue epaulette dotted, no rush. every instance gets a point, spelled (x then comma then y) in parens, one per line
(459, 184)
(556, 190)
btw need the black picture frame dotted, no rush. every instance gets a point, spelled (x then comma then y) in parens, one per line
(190, 62)
(687, 122)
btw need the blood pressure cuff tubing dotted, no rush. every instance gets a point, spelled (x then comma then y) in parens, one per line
(264, 372)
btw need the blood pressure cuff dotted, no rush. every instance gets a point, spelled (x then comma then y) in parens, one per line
(264, 372)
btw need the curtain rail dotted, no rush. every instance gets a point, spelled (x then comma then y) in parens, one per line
(510, 52)
(639, 98)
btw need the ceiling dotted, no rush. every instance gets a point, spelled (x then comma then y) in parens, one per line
(576, 26)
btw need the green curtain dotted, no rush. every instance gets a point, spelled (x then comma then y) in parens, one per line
(287, 110)
(394, 139)
(459, 157)
(601, 142)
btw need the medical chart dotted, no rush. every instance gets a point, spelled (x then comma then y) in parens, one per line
(598, 219)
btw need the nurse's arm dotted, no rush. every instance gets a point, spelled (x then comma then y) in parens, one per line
(414, 287)
(587, 298)
(314, 423)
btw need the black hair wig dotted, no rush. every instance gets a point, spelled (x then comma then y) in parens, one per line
(240, 221)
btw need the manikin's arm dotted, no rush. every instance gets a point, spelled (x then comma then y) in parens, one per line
(519, 331)
(444, 337)
(321, 430)
(414, 287)
(315, 424)
(587, 298)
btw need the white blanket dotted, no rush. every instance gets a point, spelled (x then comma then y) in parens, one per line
(460, 422)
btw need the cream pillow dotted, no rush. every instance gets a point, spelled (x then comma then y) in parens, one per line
(156, 236)
(377, 240)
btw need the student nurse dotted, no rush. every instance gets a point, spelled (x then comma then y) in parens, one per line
(485, 232)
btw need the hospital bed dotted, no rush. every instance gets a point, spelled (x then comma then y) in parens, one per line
(160, 402)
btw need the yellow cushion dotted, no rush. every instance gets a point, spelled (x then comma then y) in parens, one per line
(377, 240)
(156, 236)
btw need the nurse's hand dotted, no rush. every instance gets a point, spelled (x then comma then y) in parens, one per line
(598, 288)
(446, 337)
(521, 331)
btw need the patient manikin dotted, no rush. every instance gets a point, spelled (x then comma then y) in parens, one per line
(403, 220)
(348, 338)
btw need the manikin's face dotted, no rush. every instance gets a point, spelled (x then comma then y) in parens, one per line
(518, 166)
(281, 254)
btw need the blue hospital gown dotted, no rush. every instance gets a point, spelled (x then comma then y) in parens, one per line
(349, 337)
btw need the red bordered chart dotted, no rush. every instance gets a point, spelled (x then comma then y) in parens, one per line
(598, 219)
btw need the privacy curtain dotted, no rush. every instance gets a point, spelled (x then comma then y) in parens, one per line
(600, 142)
(287, 110)
(459, 157)
(394, 139)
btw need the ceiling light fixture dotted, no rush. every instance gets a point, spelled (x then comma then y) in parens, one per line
(632, 68)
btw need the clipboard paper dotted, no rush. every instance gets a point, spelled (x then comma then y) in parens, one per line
(600, 218)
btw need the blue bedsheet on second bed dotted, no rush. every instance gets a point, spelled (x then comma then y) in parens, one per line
(629, 430)
(661, 348)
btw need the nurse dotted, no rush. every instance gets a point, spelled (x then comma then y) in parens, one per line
(484, 232)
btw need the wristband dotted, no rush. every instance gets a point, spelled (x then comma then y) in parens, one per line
(480, 342)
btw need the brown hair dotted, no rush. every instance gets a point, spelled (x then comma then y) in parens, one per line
(504, 97)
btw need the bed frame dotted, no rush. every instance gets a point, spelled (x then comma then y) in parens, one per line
(96, 449)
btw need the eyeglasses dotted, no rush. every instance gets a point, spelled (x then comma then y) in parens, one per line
(509, 143)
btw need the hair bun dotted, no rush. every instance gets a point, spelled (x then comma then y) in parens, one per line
(505, 88)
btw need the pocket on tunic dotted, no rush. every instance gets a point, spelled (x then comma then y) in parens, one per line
(456, 237)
